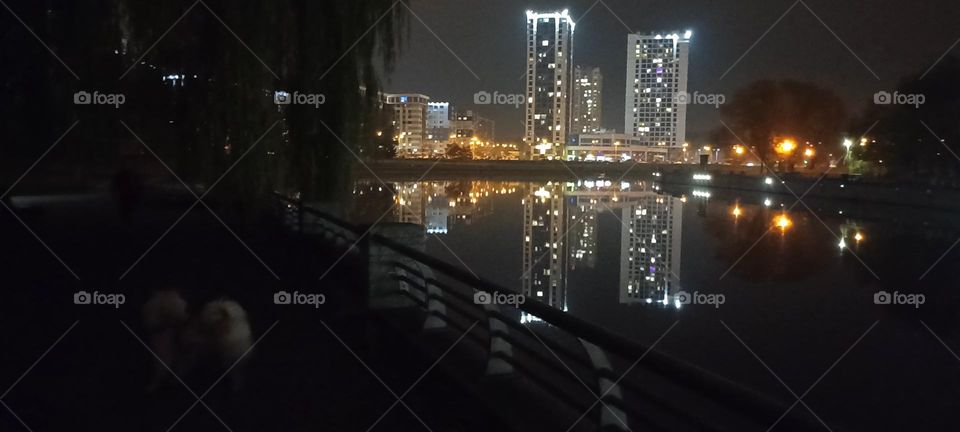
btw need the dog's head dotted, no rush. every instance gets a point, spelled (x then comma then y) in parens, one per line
(223, 312)
(165, 309)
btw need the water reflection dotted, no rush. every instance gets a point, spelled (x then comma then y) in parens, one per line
(560, 229)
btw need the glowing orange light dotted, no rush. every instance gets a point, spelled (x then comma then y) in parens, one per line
(783, 222)
(736, 211)
(739, 150)
(809, 152)
(858, 237)
(786, 146)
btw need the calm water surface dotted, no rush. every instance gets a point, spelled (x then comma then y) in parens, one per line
(760, 288)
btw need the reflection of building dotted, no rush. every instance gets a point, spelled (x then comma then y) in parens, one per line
(549, 82)
(587, 100)
(650, 248)
(544, 243)
(656, 73)
(613, 147)
(409, 123)
(650, 227)
(440, 206)
(583, 212)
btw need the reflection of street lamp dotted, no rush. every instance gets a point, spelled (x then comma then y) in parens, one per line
(783, 222)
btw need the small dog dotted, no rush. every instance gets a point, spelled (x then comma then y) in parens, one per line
(164, 317)
(217, 339)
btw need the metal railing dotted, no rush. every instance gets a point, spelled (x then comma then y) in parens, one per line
(712, 402)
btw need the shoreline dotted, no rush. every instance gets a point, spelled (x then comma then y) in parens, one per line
(827, 186)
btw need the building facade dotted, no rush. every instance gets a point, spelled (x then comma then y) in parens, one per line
(657, 67)
(613, 147)
(549, 83)
(587, 100)
(438, 127)
(409, 123)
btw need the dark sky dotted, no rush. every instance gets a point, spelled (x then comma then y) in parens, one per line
(893, 38)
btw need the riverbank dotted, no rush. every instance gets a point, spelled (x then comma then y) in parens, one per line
(816, 184)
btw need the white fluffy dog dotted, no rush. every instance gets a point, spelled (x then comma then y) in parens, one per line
(217, 339)
(164, 317)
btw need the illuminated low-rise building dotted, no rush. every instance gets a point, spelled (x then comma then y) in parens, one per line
(614, 147)
(409, 123)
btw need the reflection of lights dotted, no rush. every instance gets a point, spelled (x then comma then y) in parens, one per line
(783, 222)
(858, 237)
(768, 181)
(843, 244)
(736, 211)
(847, 143)
(703, 177)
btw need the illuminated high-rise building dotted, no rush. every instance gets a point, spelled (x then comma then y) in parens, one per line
(657, 67)
(587, 100)
(549, 83)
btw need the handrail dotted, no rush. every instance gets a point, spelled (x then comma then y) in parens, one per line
(722, 390)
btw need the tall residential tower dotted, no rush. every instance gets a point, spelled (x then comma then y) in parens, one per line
(587, 100)
(656, 74)
(549, 83)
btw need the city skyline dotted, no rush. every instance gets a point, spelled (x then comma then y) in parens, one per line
(733, 46)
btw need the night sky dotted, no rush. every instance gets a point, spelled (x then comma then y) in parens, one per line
(893, 38)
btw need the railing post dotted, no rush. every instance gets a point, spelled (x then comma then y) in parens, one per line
(300, 216)
(500, 348)
(435, 308)
(609, 415)
(365, 263)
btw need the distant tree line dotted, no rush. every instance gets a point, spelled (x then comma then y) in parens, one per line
(905, 142)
